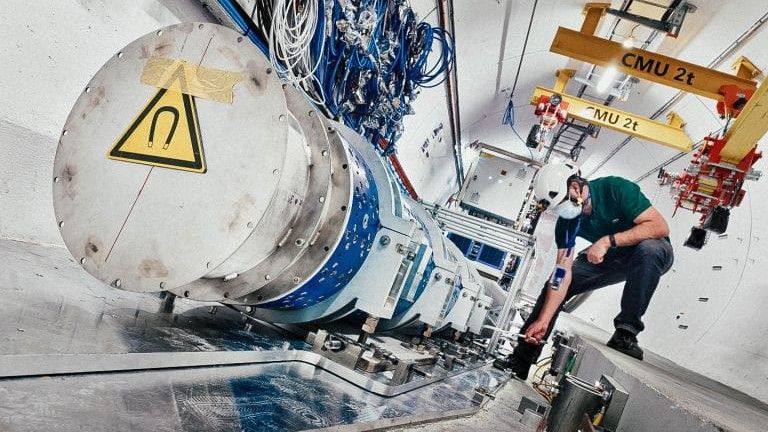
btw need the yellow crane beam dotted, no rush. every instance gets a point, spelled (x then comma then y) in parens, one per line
(744, 68)
(749, 127)
(645, 64)
(641, 127)
(593, 12)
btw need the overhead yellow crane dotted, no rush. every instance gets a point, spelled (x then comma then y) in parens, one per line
(713, 182)
(593, 12)
(670, 135)
(750, 126)
(648, 65)
(742, 137)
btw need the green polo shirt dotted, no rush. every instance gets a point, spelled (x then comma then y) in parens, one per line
(616, 203)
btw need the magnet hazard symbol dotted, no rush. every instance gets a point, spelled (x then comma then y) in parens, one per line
(166, 133)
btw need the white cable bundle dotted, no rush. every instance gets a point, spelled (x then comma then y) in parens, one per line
(294, 23)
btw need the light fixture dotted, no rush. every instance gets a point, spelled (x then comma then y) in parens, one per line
(606, 79)
(629, 41)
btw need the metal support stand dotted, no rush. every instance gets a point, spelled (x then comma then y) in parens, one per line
(507, 311)
(368, 328)
(169, 300)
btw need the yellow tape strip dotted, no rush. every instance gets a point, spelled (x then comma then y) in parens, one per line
(199, 81)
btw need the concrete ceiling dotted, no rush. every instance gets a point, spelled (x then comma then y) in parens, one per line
(489, 42)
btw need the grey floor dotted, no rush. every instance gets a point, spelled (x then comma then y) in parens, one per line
(52, 309)
(667, 396)
(716, 404)
(497, 415)
(42, 316)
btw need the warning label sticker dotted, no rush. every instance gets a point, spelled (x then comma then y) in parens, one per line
(166, 132)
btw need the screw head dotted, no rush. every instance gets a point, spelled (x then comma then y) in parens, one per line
(385, 240)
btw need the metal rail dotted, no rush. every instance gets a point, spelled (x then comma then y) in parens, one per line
(507, 310)
(495, 235)
(36, 365)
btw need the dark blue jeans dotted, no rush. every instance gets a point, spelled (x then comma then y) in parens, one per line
(641, 266)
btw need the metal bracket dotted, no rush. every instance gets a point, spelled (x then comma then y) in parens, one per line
(481, 395)
(744, 68)
(344, 353)
(593, 12)
(619, 398)
(671, 22)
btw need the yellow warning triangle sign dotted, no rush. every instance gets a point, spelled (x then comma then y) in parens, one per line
(166, 133)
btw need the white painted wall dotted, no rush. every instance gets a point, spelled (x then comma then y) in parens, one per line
(725, 336)
(433, 177)
(50, 50)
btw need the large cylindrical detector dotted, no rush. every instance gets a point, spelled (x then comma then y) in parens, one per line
(186, 166)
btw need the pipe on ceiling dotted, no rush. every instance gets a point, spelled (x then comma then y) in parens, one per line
(446, 21)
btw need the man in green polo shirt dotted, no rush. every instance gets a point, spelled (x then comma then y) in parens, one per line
(629, 244)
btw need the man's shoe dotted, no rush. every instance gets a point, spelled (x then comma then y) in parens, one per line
(518, 367)
(625, 342)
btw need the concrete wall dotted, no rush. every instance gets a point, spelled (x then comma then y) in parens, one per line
(432, 173)
(50, 50)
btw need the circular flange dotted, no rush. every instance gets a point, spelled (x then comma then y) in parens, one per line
(151, 228)
(281, 214)
(327, 238)
(302, 231)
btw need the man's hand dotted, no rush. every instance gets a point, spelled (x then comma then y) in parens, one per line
(536, 331)
(596, 252)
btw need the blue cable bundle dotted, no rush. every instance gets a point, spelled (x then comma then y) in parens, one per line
(376, 57)
(509, 114)
(435, 75)
(371, 55)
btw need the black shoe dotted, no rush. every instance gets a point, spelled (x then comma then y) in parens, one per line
(518, 367)
(625, 342)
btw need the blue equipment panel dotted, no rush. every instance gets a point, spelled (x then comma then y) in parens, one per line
(480, 252)
(491, 256)
(464, 244)
(348, 256)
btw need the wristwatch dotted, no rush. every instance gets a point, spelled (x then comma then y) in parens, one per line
(612, 240)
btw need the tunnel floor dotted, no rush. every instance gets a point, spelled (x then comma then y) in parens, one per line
(53, 309)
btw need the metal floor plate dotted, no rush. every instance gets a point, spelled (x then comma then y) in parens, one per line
(51, 306)
(284, 396)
